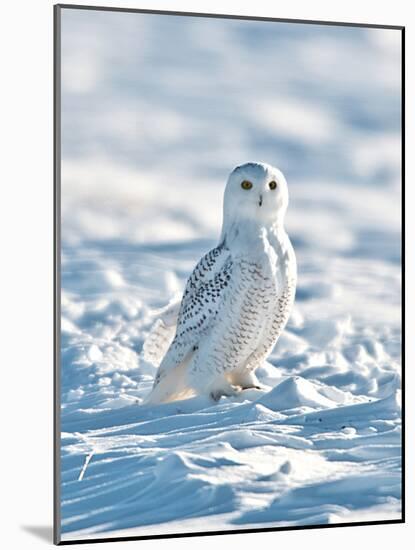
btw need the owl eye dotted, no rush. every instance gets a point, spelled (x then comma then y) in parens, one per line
(272, 185)
(246, 184)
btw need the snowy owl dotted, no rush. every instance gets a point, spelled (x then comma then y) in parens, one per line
(237, 300)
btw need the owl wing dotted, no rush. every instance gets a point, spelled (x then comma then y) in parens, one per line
(202, 295)
(162, 333)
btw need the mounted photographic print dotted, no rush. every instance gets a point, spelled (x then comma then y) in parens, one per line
(228, 278)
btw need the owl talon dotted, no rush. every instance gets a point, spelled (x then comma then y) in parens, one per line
(253, 387)
(226, 392)
(215, 395)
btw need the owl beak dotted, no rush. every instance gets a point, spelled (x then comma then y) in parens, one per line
(260, 200)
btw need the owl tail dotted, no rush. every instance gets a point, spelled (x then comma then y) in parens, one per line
(173, 386)
(162, 333)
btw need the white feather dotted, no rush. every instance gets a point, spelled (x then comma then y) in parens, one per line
(162, 333)
(237, 299)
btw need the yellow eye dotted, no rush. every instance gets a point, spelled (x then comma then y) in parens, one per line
(272, 185)
(246, 184)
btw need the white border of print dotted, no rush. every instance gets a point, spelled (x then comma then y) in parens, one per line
(26, 289)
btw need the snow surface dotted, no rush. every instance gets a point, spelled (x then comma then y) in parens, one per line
(155, 112)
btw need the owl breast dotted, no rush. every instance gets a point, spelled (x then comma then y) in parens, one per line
(275, 317)
(272, 291)
(254, 311)
(281, 265)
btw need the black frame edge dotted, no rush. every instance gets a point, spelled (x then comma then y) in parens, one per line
(229, 16)
(56, 268)
(233, 532)
(403, 238)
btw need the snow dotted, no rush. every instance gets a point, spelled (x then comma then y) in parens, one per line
(147, 146)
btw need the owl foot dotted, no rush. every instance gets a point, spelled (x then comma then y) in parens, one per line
(246, 380)
(229, 391)
(253, 387)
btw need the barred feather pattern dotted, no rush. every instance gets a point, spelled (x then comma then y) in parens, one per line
(251, 316)
(157, 342)
(276, 324)
(199, 307)
(238, 299)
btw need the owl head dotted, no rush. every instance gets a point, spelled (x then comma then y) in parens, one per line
(255, 192)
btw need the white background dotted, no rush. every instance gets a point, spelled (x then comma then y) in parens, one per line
(26, 270)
